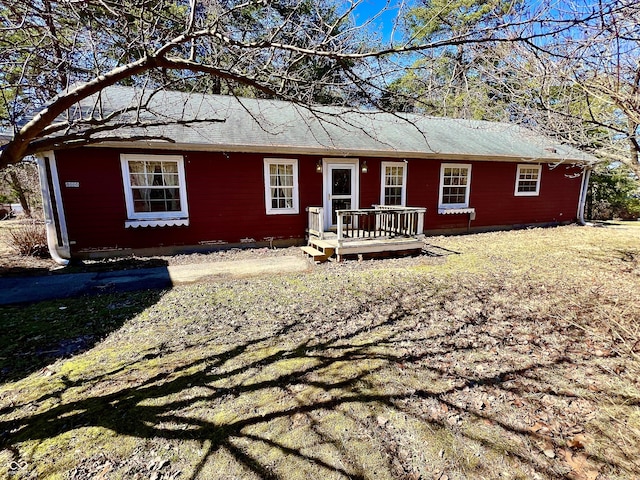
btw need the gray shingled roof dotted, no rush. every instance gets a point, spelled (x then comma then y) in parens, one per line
(273, 126)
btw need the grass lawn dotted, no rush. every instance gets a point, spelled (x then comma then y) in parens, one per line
(509, 355)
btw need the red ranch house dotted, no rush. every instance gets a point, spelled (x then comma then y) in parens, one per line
(263, 172)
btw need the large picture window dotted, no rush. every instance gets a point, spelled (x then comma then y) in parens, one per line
(154, 187)
(394, 184)
(281, 186)
(528, 180)
(455, 180)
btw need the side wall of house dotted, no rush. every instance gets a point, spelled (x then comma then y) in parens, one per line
(225, 195)
(226, 199)
(492, 195)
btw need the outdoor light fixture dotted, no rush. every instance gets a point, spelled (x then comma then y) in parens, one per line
(318, 166)
(363, 167)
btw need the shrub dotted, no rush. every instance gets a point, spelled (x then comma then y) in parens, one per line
(613, 193)
(630, 210)
(30, 239)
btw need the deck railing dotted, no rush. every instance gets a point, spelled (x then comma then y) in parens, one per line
(381, 221)
(316, 222)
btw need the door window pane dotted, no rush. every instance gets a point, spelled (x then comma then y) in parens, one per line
(339, 204)
(341, 181)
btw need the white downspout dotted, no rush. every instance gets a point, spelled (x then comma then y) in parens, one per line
(583, 195)
(59, 254)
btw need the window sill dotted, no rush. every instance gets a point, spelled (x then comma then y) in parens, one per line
(454, 211)
(157, 222)
(283, 212)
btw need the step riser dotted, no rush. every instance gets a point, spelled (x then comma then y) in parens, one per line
(327, 250)
(316, 255)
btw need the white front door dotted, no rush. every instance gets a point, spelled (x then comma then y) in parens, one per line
(340, 188)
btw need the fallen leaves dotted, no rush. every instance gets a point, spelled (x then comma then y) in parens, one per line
(581, 469)
(580, 441)
(539, 427)
(548, 448)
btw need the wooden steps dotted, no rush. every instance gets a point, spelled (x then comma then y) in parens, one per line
(315, 254)
(323, 245)
(319, 250)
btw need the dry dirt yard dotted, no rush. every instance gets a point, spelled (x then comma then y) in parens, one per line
(16, 265)
(498, 355)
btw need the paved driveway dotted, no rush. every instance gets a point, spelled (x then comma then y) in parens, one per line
(15, 290)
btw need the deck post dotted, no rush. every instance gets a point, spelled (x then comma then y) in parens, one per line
(420, 229)
(340, 226)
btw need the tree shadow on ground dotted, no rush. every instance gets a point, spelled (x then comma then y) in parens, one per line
(22, 271)
(25, 266)
(38, 334)
(334, 394)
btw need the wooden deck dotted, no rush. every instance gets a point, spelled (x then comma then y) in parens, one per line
(322, 249)
(376, 231)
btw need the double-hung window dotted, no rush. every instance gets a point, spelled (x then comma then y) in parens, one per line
(528, 180)
(393, 190)
(154, 190)
(281, 186)
(455, 181)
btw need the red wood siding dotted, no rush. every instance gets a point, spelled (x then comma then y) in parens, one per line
(225, 194)
(370, 183)
(493, 196)
(226, 198)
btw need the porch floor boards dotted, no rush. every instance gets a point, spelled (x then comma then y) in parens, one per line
(329, 245)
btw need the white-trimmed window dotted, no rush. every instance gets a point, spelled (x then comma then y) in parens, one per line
(281, 185)
(154, 189)
(455, 181)
(393, 190)
(528, 180)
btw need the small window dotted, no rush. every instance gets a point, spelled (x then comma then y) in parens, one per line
(393, 190)
(528, 180)
(454, 186)
(281, 186)
(154, 189)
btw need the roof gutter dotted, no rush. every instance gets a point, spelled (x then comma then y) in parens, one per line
(584, 189)
(57, 240)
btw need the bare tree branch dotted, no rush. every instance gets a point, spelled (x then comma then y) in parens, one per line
(298, 50)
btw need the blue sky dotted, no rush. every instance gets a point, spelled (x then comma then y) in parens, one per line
(383, 14)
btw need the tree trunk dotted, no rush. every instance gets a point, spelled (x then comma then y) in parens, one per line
(20, 192)
(634, 148)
